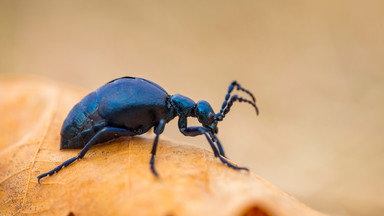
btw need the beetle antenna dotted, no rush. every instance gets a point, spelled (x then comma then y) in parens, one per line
(238, 86)
(228, 95)
(227, 106)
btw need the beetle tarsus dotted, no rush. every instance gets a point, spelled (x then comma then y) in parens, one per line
(229, 164)
(152, 163)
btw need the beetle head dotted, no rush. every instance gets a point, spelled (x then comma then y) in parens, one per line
(206, 115)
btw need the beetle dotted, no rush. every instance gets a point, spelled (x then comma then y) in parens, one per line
(130, 106)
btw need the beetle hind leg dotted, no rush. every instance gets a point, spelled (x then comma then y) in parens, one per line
(57, 169)
(99, 137)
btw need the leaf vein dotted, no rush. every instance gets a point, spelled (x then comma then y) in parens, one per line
(41, 141)
(10, 200)
(13, 174)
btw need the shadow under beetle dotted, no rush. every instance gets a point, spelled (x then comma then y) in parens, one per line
(130, 106)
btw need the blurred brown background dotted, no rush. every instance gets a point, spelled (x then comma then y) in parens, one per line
(316, 68)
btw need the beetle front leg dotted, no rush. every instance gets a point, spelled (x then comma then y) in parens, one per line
(194, 131)
(188, 131)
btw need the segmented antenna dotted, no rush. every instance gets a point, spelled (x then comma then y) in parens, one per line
(226, 106)
(234, 98)
(238, 86)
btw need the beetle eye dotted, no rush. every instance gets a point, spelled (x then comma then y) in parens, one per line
(204, 113)
(211, 118)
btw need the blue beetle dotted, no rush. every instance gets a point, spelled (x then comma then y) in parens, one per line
(130, 106)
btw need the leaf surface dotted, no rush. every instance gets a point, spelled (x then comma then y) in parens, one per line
(114, 178)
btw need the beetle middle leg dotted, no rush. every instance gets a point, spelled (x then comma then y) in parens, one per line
(158, 130)
(99, 136)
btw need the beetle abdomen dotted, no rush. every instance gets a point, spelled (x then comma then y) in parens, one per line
(82, 123)
(129, 103)
(133, 103)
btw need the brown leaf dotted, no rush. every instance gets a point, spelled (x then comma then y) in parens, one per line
(114, 178)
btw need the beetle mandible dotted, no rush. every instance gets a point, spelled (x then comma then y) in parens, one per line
(130, 106)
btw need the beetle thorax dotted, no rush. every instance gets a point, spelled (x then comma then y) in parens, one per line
(184, 106)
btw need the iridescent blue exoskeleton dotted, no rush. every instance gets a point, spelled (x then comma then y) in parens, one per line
(131, 106)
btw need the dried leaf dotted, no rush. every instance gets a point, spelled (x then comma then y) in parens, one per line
(114, 178)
